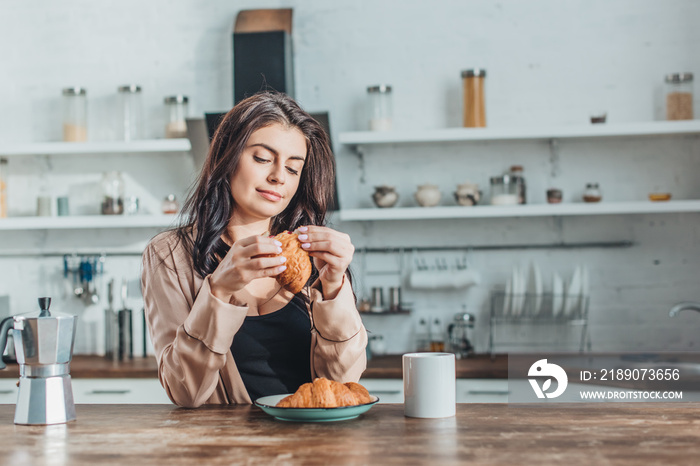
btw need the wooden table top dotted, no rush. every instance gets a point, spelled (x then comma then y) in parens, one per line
(631, 433)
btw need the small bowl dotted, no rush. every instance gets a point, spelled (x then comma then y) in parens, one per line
(385, 196)
(467, 200)
(428, 195)
(659, 197)
(467, 194)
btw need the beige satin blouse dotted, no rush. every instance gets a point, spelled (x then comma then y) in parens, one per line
(192, 330)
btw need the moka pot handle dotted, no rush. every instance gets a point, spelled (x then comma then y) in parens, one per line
(5, 326)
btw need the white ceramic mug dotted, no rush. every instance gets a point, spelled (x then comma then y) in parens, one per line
(429, 385)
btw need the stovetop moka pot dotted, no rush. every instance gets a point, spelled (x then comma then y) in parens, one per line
(459, 335)
(44, 349)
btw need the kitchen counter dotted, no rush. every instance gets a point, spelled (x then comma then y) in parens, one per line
(379, 367)
(477, 367)
(98, 367)
(630, 433)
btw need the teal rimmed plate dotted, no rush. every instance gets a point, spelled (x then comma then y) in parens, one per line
(269, 405)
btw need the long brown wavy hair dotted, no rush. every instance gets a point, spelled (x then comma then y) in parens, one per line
(210, 205)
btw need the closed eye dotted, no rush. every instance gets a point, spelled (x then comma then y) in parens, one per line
(263, 160)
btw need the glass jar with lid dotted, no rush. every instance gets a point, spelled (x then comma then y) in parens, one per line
(131, 205)
(474, 106)
(504, 190)
(3, 187)
(592, 193)
(423, 336)
(518, 176)
(112, 193)
(380, 107)
(74, 114)
(170, 204)
(131, 121)
(376, 345)
(679, 96)
(437, 336)
(177, 112)
(554, 195)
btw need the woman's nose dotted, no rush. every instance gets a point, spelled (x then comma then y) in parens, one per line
(276, 174)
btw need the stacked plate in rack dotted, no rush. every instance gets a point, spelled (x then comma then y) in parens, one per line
(525, 294)
(574, 299)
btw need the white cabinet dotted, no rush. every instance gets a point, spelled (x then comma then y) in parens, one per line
(388, 390)
(101, 391)
(482, 390)
(494, 390)
(118, 391)
(8, 391)
(468, 390)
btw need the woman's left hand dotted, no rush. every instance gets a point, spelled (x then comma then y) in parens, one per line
(332, 253)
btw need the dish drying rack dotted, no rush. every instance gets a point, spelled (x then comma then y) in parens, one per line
(549, 312)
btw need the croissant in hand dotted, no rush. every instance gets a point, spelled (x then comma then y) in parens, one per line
(324, 393)
(298, 263)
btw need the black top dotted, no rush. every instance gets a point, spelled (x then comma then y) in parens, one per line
(273, 351)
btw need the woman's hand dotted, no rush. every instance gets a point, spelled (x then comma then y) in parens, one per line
(332, 253)
(242, 264)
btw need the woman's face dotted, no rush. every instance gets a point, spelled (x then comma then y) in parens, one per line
(268, 173)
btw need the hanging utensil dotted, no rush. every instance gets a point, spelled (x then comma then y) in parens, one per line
(111, 326)
(124, 318)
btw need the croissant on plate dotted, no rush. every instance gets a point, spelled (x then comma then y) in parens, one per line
(324, 393)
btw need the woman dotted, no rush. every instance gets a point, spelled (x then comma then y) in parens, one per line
(223, 329)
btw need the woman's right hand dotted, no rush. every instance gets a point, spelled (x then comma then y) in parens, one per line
(243, 264)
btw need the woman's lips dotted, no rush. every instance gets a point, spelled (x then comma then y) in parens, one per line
(270, 195)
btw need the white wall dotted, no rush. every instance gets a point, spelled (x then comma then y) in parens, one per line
(548, 62)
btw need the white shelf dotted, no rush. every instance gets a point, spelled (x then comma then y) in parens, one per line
(650, 128)
(105, 147)
(87, 221)
(532, 210)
